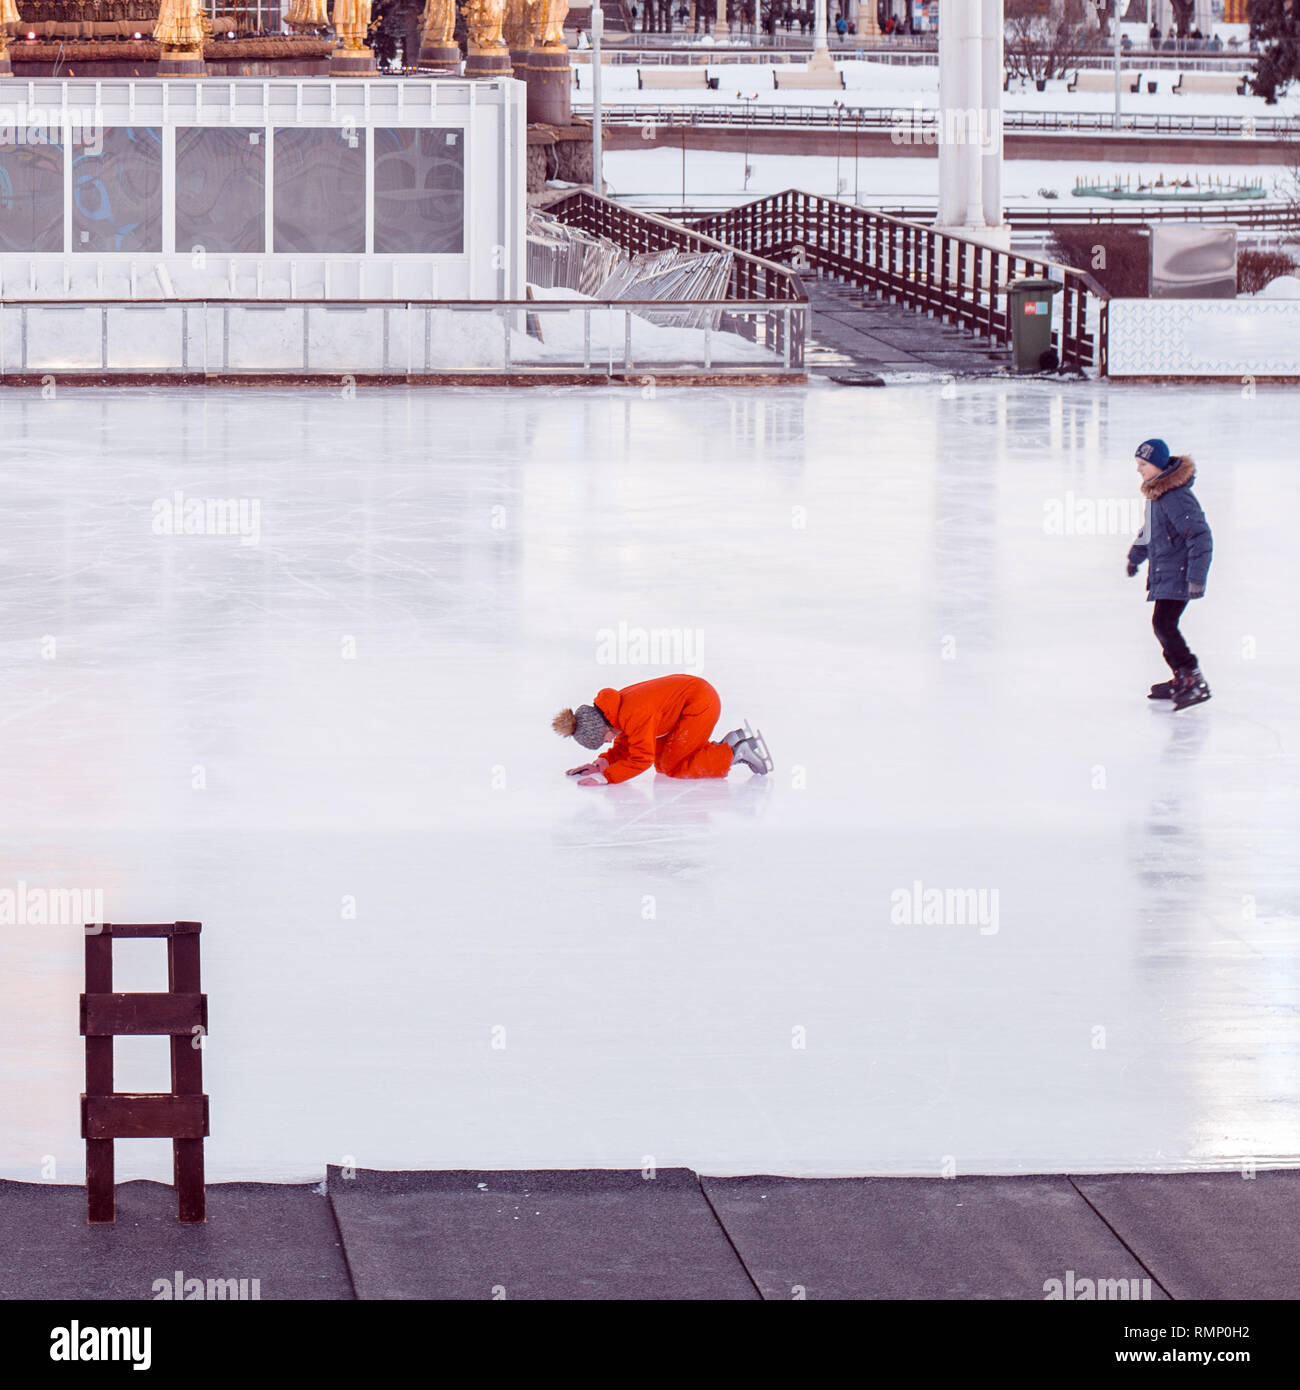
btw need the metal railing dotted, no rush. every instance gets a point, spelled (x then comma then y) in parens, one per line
(197, 339)
(951, 277)
(755, 281)
(898, 52)
(902, 120)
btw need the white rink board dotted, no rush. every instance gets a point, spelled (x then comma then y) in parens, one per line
(1204, 337)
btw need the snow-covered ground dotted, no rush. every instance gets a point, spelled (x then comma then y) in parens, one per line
(881, 85)
(718, 177)
(425, 948)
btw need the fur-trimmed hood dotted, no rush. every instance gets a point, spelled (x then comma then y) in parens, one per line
(1179, 476)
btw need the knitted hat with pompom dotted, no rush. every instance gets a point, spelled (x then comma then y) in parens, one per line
(585, 725)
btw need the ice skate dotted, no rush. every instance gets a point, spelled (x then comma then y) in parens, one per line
(1163, 690)
(734, 737)
(1190, 688)
(752, 751)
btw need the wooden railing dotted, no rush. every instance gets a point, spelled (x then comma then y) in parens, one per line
(951, 277)
(755, 281)
(1277, 217)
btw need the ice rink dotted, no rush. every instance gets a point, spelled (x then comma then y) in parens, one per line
(329, 740)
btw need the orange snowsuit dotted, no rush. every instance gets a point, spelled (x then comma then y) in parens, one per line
(664, 723)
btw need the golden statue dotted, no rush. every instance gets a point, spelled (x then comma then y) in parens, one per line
(307, 14)
(180, 26)
(520, 27)
(352, 24)
(8, 15)
(438, 25)
(483, 20)
(550, 23)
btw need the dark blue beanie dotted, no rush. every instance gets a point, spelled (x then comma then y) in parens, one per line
(1155, 451)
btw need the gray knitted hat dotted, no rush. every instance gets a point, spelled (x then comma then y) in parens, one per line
(591, 728)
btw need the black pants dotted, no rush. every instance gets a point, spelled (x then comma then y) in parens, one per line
(1165, 623)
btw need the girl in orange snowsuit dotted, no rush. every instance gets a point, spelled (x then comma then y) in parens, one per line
(663, 723)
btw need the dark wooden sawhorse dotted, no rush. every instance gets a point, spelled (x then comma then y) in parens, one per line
(181, 1114)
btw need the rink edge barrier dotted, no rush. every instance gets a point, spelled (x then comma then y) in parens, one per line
(639, 379)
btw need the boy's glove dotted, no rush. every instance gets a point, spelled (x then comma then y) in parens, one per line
(1196, 590)
(597, 781)
(1131, 569)
(598, 766)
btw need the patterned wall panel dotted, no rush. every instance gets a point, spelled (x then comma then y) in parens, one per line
(117, 190)
(1205, 337)
(220, 189)
(419, 191)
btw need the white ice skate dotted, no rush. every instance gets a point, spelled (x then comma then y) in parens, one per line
(751, 749)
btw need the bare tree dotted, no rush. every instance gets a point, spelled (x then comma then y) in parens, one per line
(1045, 40)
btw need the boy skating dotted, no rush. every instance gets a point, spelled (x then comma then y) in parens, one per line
(666, 723)
(1177, 545)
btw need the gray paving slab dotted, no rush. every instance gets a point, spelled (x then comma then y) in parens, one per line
(584, 1234)
(282, 1237)
(1208, 1235)
(846, 326)
(913, 1238)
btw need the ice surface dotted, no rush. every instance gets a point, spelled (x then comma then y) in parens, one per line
(953, 687)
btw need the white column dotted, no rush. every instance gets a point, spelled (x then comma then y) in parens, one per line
(821, 56)
(721, 29)
(958, 87)
(992, 65)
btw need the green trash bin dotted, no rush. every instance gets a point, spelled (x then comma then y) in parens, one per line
(1029, 309)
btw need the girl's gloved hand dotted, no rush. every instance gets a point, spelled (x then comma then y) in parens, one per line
(587, 768)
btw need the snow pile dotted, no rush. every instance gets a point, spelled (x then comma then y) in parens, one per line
(561, 337)
(1284, 287)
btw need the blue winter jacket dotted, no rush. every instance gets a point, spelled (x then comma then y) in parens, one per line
(1175, 539)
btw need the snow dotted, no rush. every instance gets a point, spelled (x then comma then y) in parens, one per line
(717, 178)
(1284, 287)
(562, 337)
(424, 947)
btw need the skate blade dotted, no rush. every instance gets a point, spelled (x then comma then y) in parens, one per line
(761, 748)
(1188, 704)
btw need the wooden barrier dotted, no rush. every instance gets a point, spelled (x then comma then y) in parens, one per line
(1091, 81)
(814, 81)
(672, 78)
(1211, 83)
(181, 1114)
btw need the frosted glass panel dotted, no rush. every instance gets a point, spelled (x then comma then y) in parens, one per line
(419, 191)
(117, 191)
(320, 189)
(31, 197)
(220, 190)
